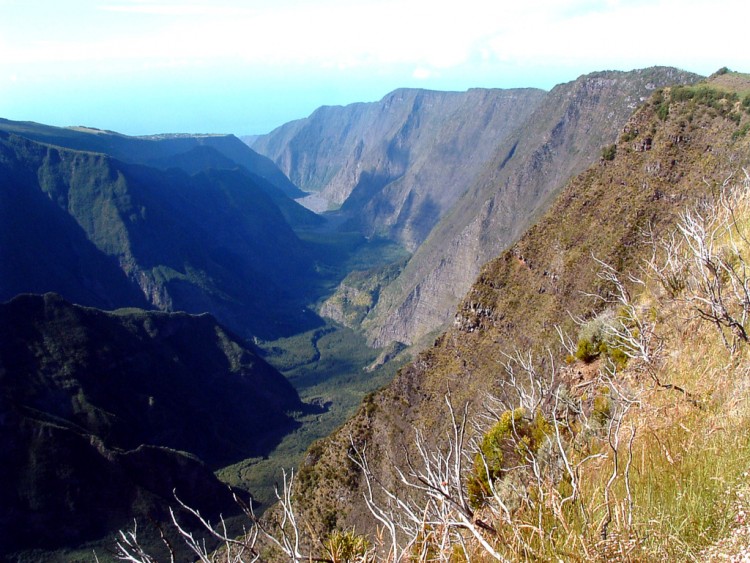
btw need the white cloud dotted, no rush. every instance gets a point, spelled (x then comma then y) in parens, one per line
(665, 32)
(421, 73)
(177, 8)
(428, 36)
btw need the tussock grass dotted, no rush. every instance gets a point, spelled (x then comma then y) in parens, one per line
(671, 492)
(690, 452)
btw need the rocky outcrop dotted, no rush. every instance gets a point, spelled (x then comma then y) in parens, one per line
(559, 139)
(397, 165)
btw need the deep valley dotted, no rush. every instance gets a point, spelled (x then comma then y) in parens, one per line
(556, 267)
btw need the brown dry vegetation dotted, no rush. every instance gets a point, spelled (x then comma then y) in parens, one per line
(685, 457)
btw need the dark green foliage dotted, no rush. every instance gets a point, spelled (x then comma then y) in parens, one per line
(717, 99)
(104, 414)
(660, 104)
(330, 518)
(609, 152)
(663, 111)
(504, 446)
(705, 95)
(327, 366)
(587, 350)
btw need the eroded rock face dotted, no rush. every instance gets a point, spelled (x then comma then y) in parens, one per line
(558, 140)
(396, 166)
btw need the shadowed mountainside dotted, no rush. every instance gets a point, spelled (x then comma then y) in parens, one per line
(155, 150)
(191, 153)
(103, 414)
(397, 165)
(110, 234)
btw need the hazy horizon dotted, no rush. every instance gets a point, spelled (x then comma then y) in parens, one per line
(146, 66)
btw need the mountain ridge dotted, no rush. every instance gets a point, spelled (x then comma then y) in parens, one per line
(559, 139)
(139, 236)
(395, 166)
(388, 178)
(150, 149)
(99, 409)
(547, 278)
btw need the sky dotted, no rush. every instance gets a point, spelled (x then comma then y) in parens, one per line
(245, 67)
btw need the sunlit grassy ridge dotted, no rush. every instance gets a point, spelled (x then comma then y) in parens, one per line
(673, 489)
(664, 163)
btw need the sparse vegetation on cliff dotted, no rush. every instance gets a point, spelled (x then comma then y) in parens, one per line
(549, 278)
(509, 440)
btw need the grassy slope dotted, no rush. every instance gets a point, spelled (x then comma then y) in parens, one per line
(521, 295)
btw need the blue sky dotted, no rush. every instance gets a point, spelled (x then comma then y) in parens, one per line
(243, 67)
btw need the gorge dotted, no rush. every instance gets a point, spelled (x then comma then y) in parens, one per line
(241, 327)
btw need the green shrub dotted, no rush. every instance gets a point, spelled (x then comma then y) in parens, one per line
(629, 135)
(608, 152)
(663, 111)
(592, 337)
(506, 445)
(616, 355)
(741, 132)
(719, 100)
(342, 547)
(587, 351)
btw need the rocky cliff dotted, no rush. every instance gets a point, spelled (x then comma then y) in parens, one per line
(397, 165)
(563, 135)
(669, 154)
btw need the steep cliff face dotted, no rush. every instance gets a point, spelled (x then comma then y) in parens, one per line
(104, 414)
(667, 152)
(119, 234)
(559, 139)
(396, 166)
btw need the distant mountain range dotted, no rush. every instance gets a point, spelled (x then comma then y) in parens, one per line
(457, 177)
(191, 234)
